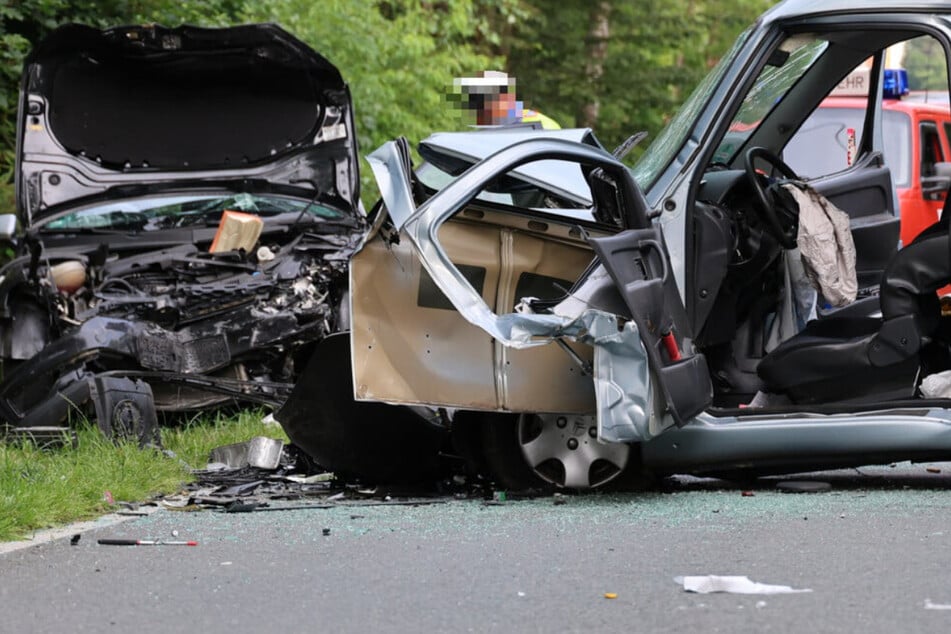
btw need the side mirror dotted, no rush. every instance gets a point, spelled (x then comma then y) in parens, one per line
(934, 187)
(8, 227)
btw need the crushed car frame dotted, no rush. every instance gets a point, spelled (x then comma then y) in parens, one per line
(655, 320)
(189, 199)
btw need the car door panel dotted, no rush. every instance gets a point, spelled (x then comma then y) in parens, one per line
(404, 338)
(640, 267)
(411, 346)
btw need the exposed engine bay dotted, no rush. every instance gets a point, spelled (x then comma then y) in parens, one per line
(187, 201)
(125, 330)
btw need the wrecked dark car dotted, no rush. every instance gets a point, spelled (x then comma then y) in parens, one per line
(664, 321)
(188, 201)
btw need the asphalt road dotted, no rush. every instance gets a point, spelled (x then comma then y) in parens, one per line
(875, 551)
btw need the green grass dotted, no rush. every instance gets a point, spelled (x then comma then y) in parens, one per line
(44, 488)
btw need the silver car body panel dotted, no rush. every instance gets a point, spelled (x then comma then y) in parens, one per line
(391, 178)
(562, 178)
(621, 375)
(711, 443)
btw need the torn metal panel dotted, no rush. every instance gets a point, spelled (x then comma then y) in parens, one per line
(624, 405)
(259, 452)
(622, 384)
(391, 169)
(422, 228)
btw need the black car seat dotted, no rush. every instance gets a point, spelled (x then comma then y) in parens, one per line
(870, 359)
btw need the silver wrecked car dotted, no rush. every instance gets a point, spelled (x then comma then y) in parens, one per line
(655, 320)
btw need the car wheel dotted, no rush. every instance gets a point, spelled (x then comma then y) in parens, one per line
(529, 450)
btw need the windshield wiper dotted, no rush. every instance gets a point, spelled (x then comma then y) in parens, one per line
(90, 231)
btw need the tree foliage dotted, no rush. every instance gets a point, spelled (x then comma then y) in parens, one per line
(399, 57)
(620, 66)
(655, 54)
(926, 63)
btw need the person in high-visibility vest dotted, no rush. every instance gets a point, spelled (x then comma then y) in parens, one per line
(491, 95)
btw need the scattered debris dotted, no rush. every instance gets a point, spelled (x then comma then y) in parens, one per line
(243, 507)
(933, 470)
(610, 595)
(257, 507)
(312, 479)
(748, 494)
(803, 486)
(74, 540)
(43, 436)
(144, 542)
(760, 604)
(259, 452)
(107, 498)
(706, 584)
(289, 480)
(326, 532)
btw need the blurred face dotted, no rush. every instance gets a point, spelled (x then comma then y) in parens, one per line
(496, 109)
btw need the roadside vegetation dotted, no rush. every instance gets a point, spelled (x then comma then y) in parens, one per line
(40, 488)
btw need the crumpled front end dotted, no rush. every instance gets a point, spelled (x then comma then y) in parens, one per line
(183, 328)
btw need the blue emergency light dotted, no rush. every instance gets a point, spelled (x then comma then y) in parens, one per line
(895, 85)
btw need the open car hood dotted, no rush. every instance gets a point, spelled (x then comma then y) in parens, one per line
(122, 111)
(455, 152)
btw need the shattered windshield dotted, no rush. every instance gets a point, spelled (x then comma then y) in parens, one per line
(662, 151)
(168, 212)
(789, 63)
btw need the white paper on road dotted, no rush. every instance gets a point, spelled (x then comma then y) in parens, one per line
(936, 606)
(705, 584)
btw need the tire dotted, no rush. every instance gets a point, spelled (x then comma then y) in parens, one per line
(581, 463)
(503, 455)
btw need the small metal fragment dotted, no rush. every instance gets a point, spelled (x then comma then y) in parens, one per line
(259, 452)
(803, 486)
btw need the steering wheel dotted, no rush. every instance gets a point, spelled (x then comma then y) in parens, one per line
(782, 220)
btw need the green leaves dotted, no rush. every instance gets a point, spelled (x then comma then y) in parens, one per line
(400, 56)
(656, 53)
